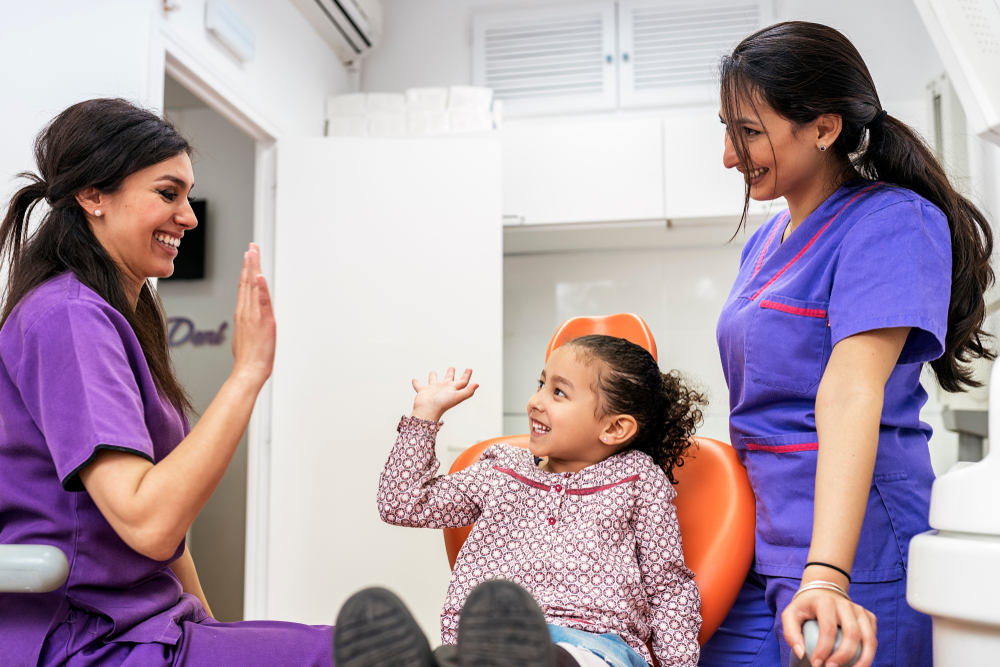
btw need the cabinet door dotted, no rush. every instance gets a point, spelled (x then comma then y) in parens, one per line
(603, 170)
(697, 184)
(388, 264)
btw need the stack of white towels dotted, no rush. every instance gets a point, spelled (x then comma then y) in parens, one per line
(418, 111)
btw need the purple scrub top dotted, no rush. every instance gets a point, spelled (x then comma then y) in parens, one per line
(872, 256)
(73, 380)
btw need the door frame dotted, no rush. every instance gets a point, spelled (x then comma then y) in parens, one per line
(171, 54)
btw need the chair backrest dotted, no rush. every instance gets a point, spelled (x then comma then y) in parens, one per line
(715, 504)
(629, 326)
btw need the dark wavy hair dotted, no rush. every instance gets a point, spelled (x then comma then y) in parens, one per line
(97, 143)
(629, 382)
(803, 70)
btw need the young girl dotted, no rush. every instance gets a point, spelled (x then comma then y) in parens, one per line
(584, 519)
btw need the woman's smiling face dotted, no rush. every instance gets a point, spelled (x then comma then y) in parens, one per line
(783, 158)
(141, 224)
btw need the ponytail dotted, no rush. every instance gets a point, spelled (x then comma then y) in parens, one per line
(12, 230)
(629, 382)
(895, 154)
(803, 70)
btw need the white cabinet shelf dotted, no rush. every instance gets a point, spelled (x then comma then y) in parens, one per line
(618, 169)
(604, 170)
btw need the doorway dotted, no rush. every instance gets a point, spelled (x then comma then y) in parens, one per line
(200, 309)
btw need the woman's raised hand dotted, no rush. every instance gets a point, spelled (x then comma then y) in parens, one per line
(830, 610)
(435, 398)
(254, 330)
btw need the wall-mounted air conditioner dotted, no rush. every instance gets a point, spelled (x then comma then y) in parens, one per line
(351, 27)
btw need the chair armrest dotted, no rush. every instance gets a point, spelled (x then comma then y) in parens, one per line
(32, 568)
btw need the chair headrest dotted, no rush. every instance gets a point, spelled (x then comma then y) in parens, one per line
(629, 326)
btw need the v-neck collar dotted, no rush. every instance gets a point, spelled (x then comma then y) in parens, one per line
(776, 257)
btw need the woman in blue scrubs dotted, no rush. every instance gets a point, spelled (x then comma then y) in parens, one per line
(878, 267)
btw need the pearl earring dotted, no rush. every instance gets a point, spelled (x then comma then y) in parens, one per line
(605, 439)
(97, 212)
(822, 148)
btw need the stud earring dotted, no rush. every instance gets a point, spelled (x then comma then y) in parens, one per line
(97, 212)
(605, 439)
(822, 148)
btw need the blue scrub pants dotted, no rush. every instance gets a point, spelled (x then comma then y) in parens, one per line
(752, 636)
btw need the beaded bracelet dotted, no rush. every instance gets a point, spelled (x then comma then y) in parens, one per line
(832, 567)
(822, 585)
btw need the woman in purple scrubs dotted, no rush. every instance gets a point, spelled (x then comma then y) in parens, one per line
(878, 267)
(96, 456)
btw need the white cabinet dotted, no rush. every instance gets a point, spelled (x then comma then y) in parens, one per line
(697, 184)
(617, 169)
(385, 269)
(603, 170)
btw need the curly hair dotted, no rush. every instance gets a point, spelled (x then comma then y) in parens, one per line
(629, 382)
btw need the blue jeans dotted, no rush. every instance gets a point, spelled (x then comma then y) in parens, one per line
(609, 648)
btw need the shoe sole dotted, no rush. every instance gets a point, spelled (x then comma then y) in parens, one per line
(374, 629)
(502, 626)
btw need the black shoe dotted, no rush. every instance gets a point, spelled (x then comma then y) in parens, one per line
(375, 629)
(502, 626)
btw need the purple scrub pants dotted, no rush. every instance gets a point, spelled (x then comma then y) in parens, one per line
(79, 642)
(752, 636)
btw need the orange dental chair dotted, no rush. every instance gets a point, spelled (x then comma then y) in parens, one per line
(715, 505)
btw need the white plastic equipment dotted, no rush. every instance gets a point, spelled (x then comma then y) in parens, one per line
(954, 570)
(31, 568)
(966, 35)
(810, 632)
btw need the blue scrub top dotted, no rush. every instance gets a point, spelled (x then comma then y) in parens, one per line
(872, 256)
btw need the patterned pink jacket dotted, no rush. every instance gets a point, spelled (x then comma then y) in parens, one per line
(600, 549)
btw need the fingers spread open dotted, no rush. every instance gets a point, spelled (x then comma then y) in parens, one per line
(464, 380)
(416, 384)
(468, 391)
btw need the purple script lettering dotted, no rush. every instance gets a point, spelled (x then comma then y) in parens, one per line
(181, 330)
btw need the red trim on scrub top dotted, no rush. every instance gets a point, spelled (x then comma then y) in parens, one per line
(782, 449)
(811, 241)
(794, 310)
(760, 260)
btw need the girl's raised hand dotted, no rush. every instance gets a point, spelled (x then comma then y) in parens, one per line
(435, 398)
(254, 327)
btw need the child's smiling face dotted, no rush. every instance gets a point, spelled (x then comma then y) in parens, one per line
(563, 415)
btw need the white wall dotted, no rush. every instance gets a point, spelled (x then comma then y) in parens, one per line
(678, 292)
(224, 177)
(59, 52)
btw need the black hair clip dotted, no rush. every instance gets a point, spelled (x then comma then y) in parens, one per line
(877, 120)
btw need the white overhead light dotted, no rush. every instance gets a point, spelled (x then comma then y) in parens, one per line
(229, 29)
